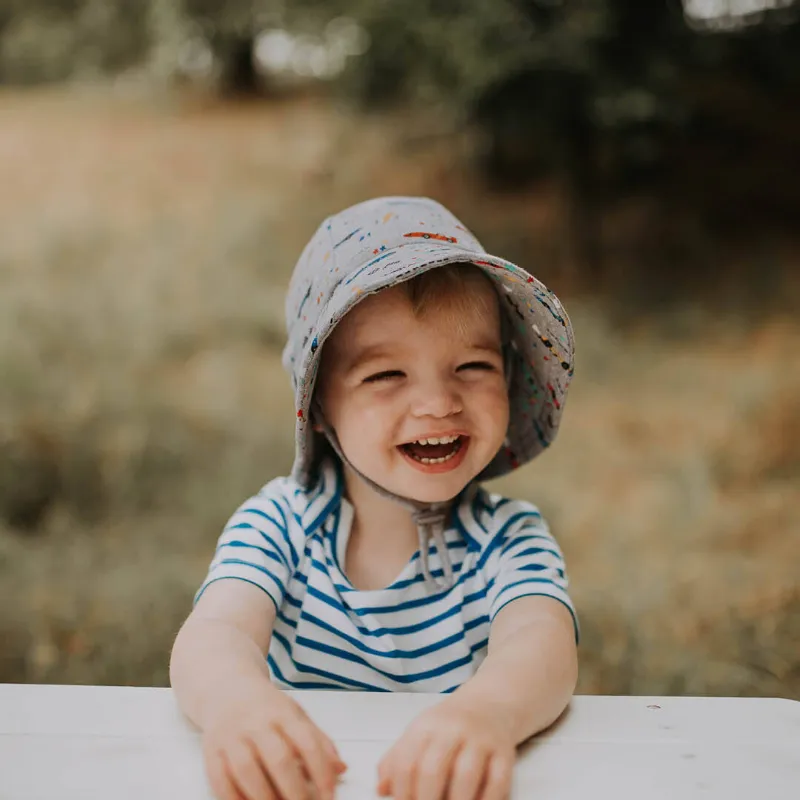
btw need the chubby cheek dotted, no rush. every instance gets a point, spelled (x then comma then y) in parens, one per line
(490, 407)
(374, 422)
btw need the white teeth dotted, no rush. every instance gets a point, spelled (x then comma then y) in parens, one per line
(437, 460)
(437, 440)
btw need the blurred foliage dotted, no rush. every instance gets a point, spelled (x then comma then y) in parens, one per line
(612, 98)
(53, 40)
(600, 88)
(562, 84)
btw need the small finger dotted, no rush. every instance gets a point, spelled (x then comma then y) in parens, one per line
(497, 785)
(434, 769)
(246, 772)
(402, 776)
(327, 744)
(283, 766)
(308, 747)
(467, 774)
(222, 787)
(333, 753)
(385, 772)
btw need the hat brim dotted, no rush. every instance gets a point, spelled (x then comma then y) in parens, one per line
(541, 359)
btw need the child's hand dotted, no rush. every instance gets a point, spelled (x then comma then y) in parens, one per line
(450, 752)
(265, 747)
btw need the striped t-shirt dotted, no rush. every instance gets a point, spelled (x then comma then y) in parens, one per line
(410, 636)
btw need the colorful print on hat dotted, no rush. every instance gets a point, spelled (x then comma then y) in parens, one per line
(382, 242)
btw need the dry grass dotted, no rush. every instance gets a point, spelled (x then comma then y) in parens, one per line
(144, 247)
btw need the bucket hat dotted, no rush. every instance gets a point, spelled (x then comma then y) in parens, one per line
(382, 242)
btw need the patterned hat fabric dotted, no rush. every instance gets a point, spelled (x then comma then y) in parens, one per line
(382, 242)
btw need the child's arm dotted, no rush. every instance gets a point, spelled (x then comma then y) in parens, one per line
(465, 746)
(257, 742)
(221, 648)
(531, 670)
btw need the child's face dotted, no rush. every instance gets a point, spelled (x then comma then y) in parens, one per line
(389, 378)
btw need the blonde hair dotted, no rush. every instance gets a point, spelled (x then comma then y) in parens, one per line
(454, 290)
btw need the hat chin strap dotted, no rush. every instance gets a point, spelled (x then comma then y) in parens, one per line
(430, 518)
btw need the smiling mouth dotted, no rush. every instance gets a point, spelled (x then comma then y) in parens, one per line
(434, 450)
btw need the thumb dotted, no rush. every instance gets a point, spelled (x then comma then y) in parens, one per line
(384, 777)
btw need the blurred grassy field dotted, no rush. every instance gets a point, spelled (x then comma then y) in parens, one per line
(144, 249)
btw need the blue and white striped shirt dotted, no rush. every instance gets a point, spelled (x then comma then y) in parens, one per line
(407, 637)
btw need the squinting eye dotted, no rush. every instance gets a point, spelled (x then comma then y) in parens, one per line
(383, 376)
(480, 365)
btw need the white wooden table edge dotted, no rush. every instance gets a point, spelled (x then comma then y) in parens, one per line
(131, 742)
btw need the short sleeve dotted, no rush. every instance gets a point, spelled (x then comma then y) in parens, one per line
(525, 560)
(256, 545)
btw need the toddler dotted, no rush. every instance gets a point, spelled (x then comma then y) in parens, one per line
(421, 366)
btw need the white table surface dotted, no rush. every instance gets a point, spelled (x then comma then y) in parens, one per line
(116, 743)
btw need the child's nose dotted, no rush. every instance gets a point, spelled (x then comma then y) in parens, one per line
(436, 398)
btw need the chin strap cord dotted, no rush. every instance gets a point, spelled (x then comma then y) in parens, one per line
(431, 522)
(430, 518)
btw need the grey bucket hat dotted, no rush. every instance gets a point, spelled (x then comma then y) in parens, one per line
(382, 242)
